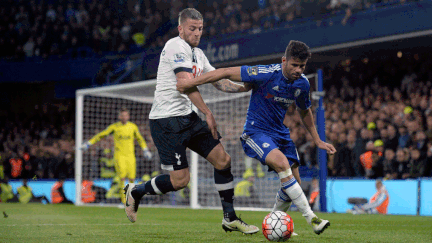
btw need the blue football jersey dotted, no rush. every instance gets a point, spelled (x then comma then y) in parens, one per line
(272, 94)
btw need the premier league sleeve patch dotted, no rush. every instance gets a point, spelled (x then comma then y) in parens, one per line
(252, 71)
(179, 57)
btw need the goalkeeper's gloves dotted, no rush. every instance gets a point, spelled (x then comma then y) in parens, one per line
(147, 154)
(85, 146)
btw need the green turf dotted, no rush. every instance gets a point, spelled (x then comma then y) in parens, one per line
(68, 223)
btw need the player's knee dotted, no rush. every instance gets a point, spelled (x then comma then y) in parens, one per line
(224, 162)
(281, 165)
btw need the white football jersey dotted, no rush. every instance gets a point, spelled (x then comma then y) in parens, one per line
(177, 56)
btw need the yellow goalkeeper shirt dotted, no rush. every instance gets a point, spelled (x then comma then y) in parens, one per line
(124, 135)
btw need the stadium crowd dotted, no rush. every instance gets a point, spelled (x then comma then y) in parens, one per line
(380, 121)
(38, 145)
(379, 116)
(31, 30)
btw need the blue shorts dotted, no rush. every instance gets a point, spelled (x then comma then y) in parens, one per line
(258, 146)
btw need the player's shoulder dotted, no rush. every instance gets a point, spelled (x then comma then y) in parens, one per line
(131, 124)
(115, 124)
(175, 44)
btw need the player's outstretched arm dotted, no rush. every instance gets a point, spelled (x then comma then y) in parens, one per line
(232, 73)
(307, 118)
(97, 137)
(196, 98)
(226, 85)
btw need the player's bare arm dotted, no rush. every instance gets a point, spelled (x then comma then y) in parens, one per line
(226, 85)
(232, 73)
(196, 98)
(307, 119)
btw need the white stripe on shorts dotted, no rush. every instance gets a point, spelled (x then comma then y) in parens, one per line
(167, 167)
(252, 144)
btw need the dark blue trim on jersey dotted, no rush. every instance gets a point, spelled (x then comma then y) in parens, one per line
(182, 69)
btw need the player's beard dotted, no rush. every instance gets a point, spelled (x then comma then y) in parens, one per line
(193, 41)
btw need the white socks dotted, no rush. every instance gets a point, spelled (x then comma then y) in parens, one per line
(296, 194)
(283, 202)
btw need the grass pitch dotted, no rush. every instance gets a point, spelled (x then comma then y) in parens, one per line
(68, 223)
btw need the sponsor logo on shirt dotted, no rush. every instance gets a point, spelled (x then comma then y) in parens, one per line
(279, 99)
(283, 100)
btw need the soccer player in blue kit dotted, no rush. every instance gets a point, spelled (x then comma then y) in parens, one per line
(265, 137)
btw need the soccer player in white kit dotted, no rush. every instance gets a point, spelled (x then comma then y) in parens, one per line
(175, 126)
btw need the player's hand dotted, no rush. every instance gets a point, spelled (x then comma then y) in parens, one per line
(147, 154)
(183, 85)
(326, 146)
(211, 122)
(85, 146)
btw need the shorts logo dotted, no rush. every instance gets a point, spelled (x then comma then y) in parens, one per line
(297, 92)
(179, 57)
(276, 88)
(252, 70)
(178, 158)
(265, 145)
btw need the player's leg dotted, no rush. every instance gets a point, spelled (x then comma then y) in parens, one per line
(280, 163)
(225, 187)
(121, 170)
(203, 143)
(131, 170)
(173, 158)
(283, 202)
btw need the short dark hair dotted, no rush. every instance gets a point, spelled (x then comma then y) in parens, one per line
(298, 50)
(123, 109)
(189, 13)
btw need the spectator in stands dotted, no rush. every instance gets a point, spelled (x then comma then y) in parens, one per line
(402, 169)
(417, 163)
(392, 140)
(343, 157)
(366, 158)
(389, 164)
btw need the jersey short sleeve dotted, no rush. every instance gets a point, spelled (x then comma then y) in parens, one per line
(179, 57)
(207, 66)
(256, 74)
(303, 99)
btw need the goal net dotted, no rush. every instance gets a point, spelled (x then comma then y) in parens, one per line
(97, 108)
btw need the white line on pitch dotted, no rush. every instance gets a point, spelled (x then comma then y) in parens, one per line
(13, 225)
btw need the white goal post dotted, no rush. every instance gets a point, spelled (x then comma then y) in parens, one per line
(97, 108)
